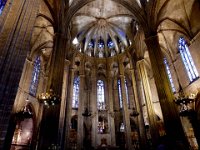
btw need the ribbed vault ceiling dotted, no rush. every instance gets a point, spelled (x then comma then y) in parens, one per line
(102, 28)
(107, 20)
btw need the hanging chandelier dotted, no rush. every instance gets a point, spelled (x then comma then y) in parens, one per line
(185, 104)
(49, 98)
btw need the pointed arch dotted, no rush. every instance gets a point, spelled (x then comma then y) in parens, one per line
(187, 60)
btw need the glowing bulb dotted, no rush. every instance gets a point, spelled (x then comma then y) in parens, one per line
(75, 41)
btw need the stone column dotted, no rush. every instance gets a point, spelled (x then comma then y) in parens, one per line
(55, 81)
(94, 108)
(24, 85)
(63, 107)
(68, 109)
(116, 105)
(126, 115)
(116, 94)
(81, 107)
(36, 137)
(43, 80)
(148, 101)
(172, 122)
(57, 64)
(140, 120)
(16, 32)
(111, 113)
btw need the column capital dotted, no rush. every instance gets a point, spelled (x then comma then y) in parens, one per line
(141, 60)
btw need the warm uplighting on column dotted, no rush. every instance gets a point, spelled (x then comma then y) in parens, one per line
(49, 98)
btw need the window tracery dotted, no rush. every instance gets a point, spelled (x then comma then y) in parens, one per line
(119, 93)
(187, 59)
(75, 100)
(101, 105)
(169, 75)
(127, 97)
(35, 77)
(110, 44)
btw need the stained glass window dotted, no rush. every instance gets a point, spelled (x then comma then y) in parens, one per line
(100, 95)
(75, 99)
(110, 43)
(120, 93)
(2, 5)
(127, 97)
(187, 59)
(91, 44)
(101, 44)
(35, 77)
(169, 75)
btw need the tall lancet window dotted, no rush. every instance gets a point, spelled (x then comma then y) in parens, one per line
(187, 59)
(100, 95)
(75, 100)
(35, 77)
(169, 75)
(120, 93)
(127, 97)
(2, 5)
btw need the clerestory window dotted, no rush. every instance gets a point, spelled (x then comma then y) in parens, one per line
(169, 75)
(187, 59)
(120, 94)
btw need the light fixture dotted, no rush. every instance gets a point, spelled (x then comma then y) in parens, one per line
(75, 41)
(49, 98)
(185, 103)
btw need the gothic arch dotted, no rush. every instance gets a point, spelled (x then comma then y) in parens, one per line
(134, 8)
